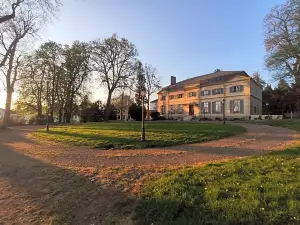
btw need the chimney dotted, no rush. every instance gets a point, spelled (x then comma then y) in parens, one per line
(173, 80)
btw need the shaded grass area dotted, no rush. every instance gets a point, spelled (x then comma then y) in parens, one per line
(293, 124)
(126, 135)
(257, 190)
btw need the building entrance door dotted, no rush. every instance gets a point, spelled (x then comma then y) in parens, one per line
(191, 110)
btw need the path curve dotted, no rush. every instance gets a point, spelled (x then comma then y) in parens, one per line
(42, 182)
(257, 140)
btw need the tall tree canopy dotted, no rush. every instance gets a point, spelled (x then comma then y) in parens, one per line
(55, 77)
(257, 78)
(140, 82)
(282, 40)
(113, 61)
(283, 85)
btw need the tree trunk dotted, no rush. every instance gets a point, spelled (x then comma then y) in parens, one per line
(122, 106)
(71, 108)
(60, 115)
(7, 108)
(39, 110)
(67, 113)
(68, 118)
(148, 108)
(107, 106)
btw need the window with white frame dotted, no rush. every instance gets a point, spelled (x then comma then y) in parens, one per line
(163, 109)
(180, 96)
(206, 92)
(180, 109)
(172, 109)
(217, 91)
(238, 88)
(206, 107)
(218, 107)
(236, 106)
(163, 98)
(171, 97)
(192, 94)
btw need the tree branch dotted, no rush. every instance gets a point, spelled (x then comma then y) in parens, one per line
(14, 6)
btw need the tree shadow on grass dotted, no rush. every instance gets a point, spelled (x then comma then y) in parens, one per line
(179, 128)
(61, 194)
(243, 192)
(165, 211)
(108, 142)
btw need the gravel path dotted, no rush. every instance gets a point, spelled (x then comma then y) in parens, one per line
(34, 176)
(257, 140)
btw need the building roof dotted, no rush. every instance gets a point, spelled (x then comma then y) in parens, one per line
(204, 77)
(154, 101)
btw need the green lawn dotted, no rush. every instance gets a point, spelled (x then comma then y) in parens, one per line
(126, 134)
(257, 190)
(287, 123)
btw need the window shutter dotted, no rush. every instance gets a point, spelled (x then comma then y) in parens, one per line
(209, 92)
(231, 106)
(222, 91)
(231, 89)
(242, 106)
(202, 107)
(209, 107)
(213, 107)
(242, 88)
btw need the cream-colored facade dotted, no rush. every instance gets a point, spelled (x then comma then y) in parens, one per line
(208, 96)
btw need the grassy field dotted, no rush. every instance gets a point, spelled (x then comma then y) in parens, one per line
(257, 190)
(125, 135)
(290, 124)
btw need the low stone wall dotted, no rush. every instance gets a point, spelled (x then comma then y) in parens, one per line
(186, 117)
(294, 115)
(266, 117)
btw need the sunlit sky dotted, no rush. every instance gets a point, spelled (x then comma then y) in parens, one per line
(180, 38)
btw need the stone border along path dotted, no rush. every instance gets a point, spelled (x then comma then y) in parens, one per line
(39, 180)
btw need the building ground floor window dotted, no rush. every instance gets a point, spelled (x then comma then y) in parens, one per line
(163, 109)
(237, 106)
(180, 109)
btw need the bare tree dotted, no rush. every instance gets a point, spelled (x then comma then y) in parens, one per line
(282, 40)
(152, 84)
(9, 8)
(113, 59)
(12, 35)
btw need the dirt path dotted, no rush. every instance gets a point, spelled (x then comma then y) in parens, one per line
(47, 183)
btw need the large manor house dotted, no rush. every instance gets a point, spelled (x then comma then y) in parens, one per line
(210, 95)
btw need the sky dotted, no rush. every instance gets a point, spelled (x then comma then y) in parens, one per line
(179, 38)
